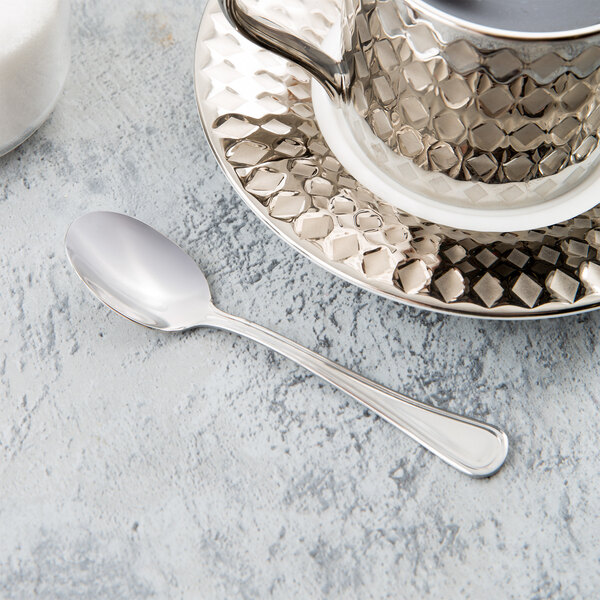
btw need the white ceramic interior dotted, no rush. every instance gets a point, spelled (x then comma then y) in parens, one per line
(440, 199)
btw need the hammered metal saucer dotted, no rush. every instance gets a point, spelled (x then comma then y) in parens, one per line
(257, 113)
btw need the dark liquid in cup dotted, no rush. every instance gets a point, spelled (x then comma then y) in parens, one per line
(524, 15)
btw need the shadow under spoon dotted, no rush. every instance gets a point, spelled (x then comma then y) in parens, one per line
(140, 274)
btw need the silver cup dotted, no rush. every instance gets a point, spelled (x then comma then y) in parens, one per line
(473, 103)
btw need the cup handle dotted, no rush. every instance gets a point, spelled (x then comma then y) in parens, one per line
(334, 76)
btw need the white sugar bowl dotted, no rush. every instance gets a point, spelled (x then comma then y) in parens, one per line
(34, 60)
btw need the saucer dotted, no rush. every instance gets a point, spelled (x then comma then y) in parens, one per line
(475, 205)
(258, 115)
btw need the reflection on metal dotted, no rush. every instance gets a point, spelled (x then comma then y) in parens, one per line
(258, 117)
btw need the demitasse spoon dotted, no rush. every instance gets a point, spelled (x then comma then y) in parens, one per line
(143, 276)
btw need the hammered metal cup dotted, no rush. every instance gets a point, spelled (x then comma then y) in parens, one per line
(475, 104)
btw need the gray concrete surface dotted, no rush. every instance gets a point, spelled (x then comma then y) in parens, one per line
(135, 464)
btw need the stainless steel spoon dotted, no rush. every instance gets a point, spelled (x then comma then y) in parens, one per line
(145, 277)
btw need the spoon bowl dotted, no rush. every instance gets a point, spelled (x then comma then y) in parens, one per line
(138, 272)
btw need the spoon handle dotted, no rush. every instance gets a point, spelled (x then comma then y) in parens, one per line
(473, 447)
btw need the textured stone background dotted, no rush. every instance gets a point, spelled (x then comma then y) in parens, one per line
(136, 464)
